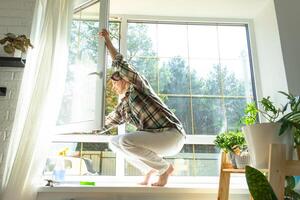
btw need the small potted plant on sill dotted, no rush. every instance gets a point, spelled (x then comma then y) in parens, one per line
(260, 135)
(13, 44)
(233, 143)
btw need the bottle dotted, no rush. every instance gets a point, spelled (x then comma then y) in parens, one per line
(59, 169)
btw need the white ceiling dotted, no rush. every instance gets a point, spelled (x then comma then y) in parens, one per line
(189, 8)
(184, 8)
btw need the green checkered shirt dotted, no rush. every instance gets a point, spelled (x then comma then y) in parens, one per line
(140, 106)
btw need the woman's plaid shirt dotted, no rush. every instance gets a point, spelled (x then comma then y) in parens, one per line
(140, 106)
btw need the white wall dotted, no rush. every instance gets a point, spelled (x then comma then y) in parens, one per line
(269, 69)
(15, 17)
(289, 29)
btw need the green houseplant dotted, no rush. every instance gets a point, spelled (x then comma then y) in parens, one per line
(261, 189)
(260, 135)
(291, 120)
(233, 143)
(11, 43)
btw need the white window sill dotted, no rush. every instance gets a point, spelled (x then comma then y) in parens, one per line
(175, 188)
(201, 185)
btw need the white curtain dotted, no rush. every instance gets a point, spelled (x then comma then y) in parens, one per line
(39, 99)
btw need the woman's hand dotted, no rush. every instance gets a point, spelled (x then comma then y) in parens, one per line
(104, 34)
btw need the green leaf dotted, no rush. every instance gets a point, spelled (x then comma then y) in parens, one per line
(259, 186)
(284, 127)
(291, 183)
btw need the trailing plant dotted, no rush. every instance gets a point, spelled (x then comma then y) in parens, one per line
(230, 140)
(11, 42)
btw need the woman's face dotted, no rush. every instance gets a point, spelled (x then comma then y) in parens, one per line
(120, 86)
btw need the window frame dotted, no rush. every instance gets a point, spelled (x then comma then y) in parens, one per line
(190, 139)
(99, 115)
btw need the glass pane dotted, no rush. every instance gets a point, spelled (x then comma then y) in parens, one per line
(203, 42)
(205, 77)
(208, 115)
(141, 40)
(234, 112)
(236, 77)
(130, 170)
(181, 106)
(174, 76)
(196, 160)
(193, 160)
(172, 40)
(148, 67)
(232, 41)
(80, 159)
(79, 98)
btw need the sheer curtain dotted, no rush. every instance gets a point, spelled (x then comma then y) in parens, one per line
(39, 99)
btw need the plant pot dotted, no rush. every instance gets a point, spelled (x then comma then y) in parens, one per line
(260, 136)
(231, 157)
(242, 160)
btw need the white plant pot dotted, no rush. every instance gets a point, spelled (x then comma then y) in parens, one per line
(260, 136)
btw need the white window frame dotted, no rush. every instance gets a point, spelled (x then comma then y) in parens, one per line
(191, 139)
(99, 117)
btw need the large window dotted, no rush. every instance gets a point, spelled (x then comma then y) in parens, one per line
(201, 71)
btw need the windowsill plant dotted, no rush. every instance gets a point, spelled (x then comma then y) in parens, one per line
(276, 130)
(233, 143)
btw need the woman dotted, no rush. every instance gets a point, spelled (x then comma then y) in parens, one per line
(159, 132)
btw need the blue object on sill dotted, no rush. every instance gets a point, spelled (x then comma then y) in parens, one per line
(59, 175)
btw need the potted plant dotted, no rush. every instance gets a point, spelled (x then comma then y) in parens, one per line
(11, 43)
(259, 135)
(233, 143)
(291, 121)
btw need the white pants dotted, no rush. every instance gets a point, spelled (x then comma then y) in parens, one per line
(145, 150)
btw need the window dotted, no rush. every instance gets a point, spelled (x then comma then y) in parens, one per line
(201, 71)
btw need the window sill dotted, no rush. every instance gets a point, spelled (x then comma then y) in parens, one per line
(133, 188)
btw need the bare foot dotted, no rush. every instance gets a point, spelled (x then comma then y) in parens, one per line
(147, 177)
(163, 179)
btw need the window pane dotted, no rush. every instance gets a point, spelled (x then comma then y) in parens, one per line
(181, 106)
(236, 77)
(232, 41)
(208, 115)
(81, 159)
(148, 67)
(196, 160)
(79, 98)
(203, 42)
(174, 76)
(141, 40)
(193, 160)
(172, 40)
(234, 112)
(205, 77)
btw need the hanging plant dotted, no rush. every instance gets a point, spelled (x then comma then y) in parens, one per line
(11, 42)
